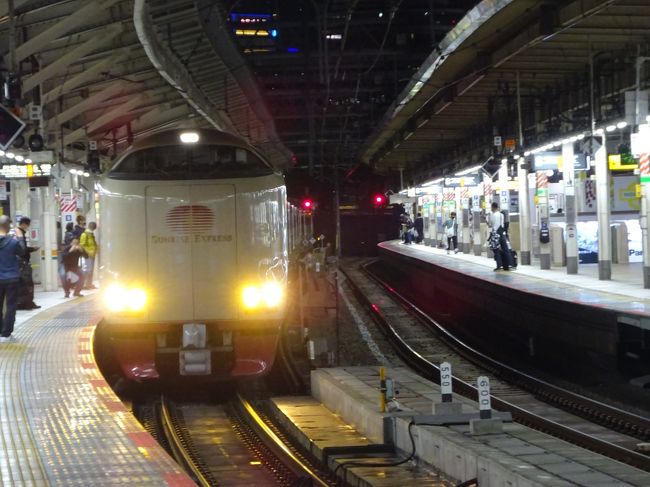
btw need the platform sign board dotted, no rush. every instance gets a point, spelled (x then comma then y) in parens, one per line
(68, 205)
(462, 181)
(10, 127)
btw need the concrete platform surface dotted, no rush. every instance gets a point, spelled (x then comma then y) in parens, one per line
(317, 429)
(518, 457)
(60, 422)
(620, 294)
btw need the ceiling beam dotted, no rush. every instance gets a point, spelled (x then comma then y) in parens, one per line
(83, 15)
(71, 57)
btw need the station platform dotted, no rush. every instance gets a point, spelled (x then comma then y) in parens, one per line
(518, 456)
(60, 422)
(623, 293)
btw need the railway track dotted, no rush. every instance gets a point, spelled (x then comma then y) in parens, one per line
(423, 343)
(229, 444)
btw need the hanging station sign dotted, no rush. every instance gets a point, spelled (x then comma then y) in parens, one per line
(462, 181)
(545, 161)
(21, 171)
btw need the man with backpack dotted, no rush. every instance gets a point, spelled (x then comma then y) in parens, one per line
(497, 240)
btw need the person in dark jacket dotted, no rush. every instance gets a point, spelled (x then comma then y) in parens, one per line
(63, 248)
(73, 274)
(80, 227)
(419, 228)
(26, 288)
(11, 250)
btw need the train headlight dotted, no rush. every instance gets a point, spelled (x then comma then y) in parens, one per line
(251, 297)
(120, 299)
(272, 294)
(269, 294)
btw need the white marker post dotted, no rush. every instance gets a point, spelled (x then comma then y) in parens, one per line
(447, 406)
(445, 381)
(484, 402)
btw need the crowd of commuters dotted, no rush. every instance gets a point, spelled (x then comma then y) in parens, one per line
(77, 252)
(498, 240)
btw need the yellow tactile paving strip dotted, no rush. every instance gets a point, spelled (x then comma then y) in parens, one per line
(60, 423)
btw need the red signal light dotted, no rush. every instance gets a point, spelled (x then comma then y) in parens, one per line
(379, 200)
(307, 204)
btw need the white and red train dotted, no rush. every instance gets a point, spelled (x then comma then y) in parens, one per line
(195, 239)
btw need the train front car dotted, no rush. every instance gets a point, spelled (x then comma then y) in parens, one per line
(194, 257)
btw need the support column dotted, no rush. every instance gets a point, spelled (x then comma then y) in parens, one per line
(465, 208)
(524, 213)
(476, 221)
(603, 205)
(644, 169)
(571, 211)
(544, 223)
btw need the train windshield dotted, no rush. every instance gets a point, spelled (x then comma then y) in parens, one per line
(190, 162)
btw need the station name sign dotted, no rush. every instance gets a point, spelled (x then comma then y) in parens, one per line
(551, 160)
(462, 181)
(18, 171)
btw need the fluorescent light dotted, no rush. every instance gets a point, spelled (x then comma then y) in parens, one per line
(557, 143)
(621, 125)
(527, 153)
(581, 136)
(86, 174)
(504, 160)
(73, 171)
(19, 158)
(28, 161)
(610, 128)
(381, 14)
(466, 171)
(10, 155)
(189, 137)
(2, 153)
(599, 132)
(431, 183)
(566, 141)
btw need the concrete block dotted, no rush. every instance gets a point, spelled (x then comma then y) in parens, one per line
(491, 426)
(447, 408)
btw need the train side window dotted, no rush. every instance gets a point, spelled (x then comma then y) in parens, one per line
(196, 162)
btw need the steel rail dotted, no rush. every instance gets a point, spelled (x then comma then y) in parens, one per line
(430, 371)
(276, 445)
(176, 444)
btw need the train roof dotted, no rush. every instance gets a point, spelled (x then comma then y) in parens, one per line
(172, 137)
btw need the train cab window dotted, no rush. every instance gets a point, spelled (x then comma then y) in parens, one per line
(196, 162)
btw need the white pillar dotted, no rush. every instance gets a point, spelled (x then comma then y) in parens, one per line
(476, 219)
(603, 205)
(571, 211)
(524, 213)
(464, 215)
(544, 220)
(644, 169)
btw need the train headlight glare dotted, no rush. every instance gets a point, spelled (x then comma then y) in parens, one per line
(272, 294)
(136, 299)
(118, 299)
(189, 137)
(115, 298)
(251, 297)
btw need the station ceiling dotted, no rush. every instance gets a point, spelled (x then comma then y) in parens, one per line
(312, 92)
(451, 103)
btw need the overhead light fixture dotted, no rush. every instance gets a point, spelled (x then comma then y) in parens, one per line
(2, 153)
(86, 174)
(467, 171)
(28, 161)
(19, 158)
(381, 14)
(10, 155)
(621, 125)
(527, 153)
(189, 137)
(610, 128)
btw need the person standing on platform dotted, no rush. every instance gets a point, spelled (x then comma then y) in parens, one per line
(73, 275)
(497, 239)
(451, 230)
(26, 289)
(80, 227)
(419, 228)
(12, 249)
(89, 244)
